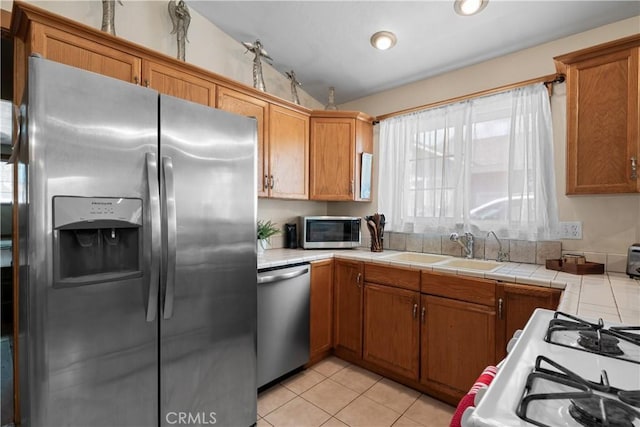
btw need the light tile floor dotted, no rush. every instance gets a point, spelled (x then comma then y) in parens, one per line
(336, 393)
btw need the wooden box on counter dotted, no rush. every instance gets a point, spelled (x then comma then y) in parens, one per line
(573, 268)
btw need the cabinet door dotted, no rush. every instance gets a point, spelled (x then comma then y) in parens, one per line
(79, 52)
(398, 277)
(602, 124)
(288, 153)
(364, 144)
(457, 343)
(321, 321)
(332, 159)
(516, 304)
(391, 329)
(348, 308)
(246, 105)
(171, 81)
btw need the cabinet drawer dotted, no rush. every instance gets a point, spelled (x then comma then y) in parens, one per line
(479, 291)
(392, 276)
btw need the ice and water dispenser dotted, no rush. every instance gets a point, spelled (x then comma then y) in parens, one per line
(96, 240)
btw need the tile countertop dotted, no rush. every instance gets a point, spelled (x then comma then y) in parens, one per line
(610, 296)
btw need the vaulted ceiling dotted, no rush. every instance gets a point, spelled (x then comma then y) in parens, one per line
(327, 44)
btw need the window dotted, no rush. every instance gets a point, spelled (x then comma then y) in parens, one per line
(482, 164)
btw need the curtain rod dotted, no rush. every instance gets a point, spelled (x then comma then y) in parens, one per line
(548, 81)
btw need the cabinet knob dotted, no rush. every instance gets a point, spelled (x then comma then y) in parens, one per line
(266, 182)
(415, 310)
(634, 168)
(146, 83)
(352, 189)
(271, 180)
(422, 313)
(500, 306)
(358, 278)
(136, 80)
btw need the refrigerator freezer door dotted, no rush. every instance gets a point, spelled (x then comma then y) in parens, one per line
(208, 321)
(90, 355)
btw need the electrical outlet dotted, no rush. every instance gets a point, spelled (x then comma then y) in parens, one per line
(570, 230)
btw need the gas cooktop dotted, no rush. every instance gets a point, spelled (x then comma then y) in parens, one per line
(565, 371)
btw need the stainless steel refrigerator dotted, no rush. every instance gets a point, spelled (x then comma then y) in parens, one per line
(137, 256)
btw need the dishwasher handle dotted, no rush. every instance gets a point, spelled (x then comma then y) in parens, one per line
(283, 276)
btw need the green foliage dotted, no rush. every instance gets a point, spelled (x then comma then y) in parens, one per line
(266, 229)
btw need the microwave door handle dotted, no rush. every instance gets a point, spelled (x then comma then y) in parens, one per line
(169, 206)
(154, 233)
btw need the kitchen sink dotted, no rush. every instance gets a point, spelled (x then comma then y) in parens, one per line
(471, 264)
(416, 257)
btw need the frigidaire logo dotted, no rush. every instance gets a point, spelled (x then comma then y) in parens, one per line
(102, 203)
(190, 418)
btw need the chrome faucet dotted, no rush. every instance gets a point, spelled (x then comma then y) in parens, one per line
(502, 255)
(467, 245)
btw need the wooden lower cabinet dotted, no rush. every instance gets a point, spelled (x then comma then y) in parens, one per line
(321, 310)
(516, 304)
(348, 279)
(437, 340)
(391, 329)
(457, 343)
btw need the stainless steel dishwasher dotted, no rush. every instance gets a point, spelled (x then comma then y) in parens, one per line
(283, 321)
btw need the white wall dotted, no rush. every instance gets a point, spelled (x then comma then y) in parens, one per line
(283, 212)
(147, 23)
(610, 222)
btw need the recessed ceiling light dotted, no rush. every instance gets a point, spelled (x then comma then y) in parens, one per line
(469, 7)
(383, 40)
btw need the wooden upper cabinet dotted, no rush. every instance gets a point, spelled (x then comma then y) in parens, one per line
(603, 117)
(79, 52)
(338, 139)
(288, 153)
(283, 144)
(70, 49)
(175, 82)
(247, 105)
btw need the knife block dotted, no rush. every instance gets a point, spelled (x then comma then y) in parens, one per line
(376, 239)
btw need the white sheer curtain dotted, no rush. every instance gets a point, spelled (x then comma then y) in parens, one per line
(482, 164)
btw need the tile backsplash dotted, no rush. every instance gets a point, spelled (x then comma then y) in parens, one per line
(522, 251)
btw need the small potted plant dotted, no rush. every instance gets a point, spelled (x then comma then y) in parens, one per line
(266, 229)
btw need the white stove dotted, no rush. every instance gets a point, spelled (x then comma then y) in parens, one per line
(550, 379)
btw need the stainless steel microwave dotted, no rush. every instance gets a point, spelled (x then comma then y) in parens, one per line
(330, 232)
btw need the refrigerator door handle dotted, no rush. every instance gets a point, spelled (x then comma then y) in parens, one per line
(154, 210)
(169, 206)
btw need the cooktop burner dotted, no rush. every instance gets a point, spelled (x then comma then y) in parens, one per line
(554, 395)
(620, 342)
(599, 343)
(625, 331)
(630, 397)
(596, 411)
